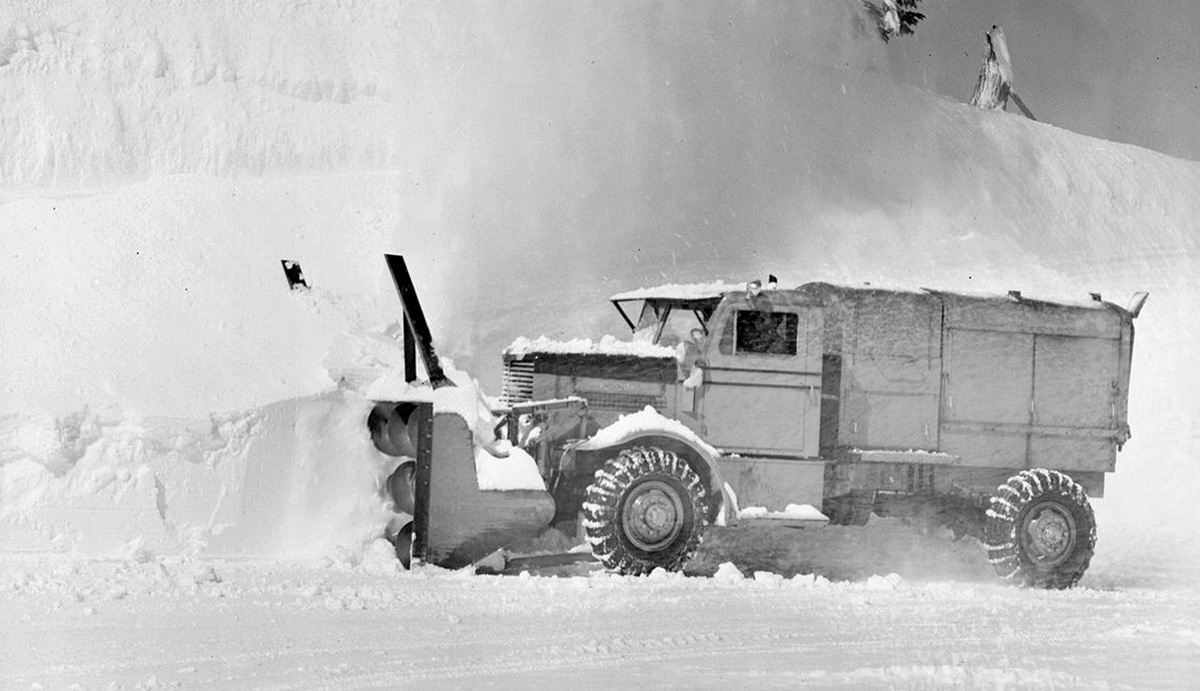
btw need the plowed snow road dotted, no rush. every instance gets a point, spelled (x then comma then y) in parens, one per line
(172, 623)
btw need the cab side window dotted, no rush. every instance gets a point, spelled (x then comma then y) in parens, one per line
(766, 333)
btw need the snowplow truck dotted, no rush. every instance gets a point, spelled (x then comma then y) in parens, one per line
(997, 416)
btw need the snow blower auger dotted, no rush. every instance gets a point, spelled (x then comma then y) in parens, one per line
(468, 495)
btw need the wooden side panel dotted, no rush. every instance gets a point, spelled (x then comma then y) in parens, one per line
(986, 448)
(463, 522)
(986, 407)
(1031, 385)
(1075, 381)
(744, 416)
(1027, 316)
(881, 420)
(891, 373)
(774, 483)
(989, 376)
(1072, 453)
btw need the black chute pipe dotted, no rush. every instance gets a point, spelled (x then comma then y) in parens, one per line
(414, 319)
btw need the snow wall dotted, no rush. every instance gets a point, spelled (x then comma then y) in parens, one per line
(157, 160)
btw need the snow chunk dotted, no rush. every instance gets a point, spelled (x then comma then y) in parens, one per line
(798, 512)
(510, 468)
(804, 511)
(808, 580)
(768, 578)
(728, 572)
(646, 420)
(379, 557)
(464, 400)
(607, 345)
(892, 581)
(392, 387)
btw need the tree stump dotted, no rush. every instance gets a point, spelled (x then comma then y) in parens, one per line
(994, 87)
(995, 79)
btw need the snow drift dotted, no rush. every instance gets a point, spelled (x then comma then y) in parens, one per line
(530, 161)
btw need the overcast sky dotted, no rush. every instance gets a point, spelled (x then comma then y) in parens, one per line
(1119, 70)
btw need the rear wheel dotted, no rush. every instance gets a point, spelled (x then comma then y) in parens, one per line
(1040, 530)
(645, 509)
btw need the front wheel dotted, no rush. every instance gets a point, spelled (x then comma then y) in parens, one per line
(1040, 530)
(645, 509)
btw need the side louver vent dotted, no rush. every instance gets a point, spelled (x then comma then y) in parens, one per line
(518, 382)
(606, 401)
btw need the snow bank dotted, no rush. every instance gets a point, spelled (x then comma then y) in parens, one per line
(166, 297)
(98, 94)
(297, 478)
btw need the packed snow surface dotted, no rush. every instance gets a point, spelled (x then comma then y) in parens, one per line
(146, 623)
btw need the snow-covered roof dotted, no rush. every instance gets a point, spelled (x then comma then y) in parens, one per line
(702, 291)
(608, 345)
(865, 286)
(1031, 297)
(970, 294)
(681, 291)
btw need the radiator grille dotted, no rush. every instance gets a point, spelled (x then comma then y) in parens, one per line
(518, 382)
(620, 402)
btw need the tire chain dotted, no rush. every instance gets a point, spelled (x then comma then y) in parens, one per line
(1000, 534)
(603, 499)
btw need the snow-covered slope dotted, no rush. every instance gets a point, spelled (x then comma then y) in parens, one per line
(158, 159)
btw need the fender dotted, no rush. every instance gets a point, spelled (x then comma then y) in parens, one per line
(652, 429)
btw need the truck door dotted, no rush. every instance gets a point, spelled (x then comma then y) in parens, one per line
(761, 385)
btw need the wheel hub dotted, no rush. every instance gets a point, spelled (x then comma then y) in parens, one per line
(1049, 530)
(653, 515)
